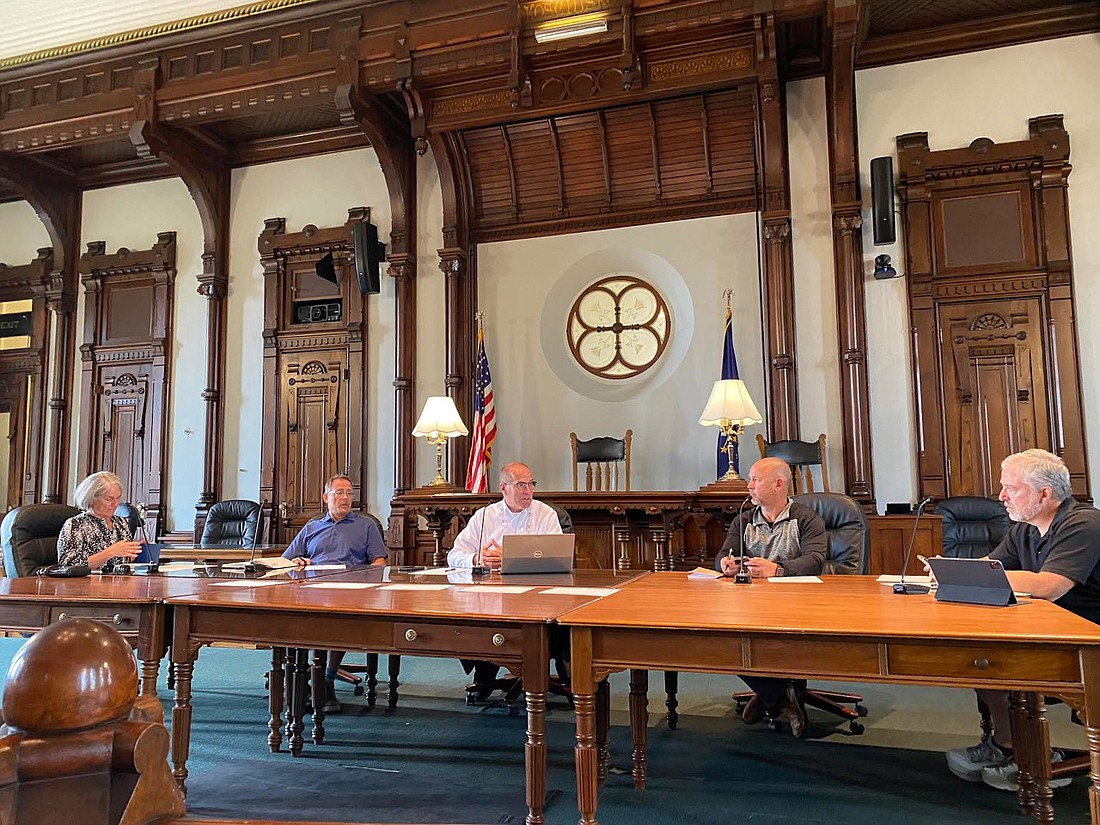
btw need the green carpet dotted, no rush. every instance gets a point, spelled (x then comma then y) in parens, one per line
(712, 769)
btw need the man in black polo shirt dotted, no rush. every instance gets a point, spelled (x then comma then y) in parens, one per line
(1051, 552)
(780, 537)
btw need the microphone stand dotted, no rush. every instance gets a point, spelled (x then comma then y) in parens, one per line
(902, 588)
(480, 569)
(742, 575)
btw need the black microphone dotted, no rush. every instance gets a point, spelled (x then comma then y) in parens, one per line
(480, 569)
(742, 575)
(251, 566)
(901, 588)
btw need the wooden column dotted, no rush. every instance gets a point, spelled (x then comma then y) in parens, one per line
(778, 258)
(847, 221)
(55, 197)
(203, 165)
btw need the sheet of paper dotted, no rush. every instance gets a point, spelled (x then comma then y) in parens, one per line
(797, 579)
(884, 579)
(244, 583)
(580, 591)
(341, 585)
(271, 562)
(177, 565)
(417, 587)
(704, 573)
(326, 567)
(437, 571)
(493, 588)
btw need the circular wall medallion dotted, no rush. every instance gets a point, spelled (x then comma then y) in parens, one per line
(618, 327)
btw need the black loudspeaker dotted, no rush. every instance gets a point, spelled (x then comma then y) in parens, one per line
(326, 268)
(369, 254)
(882, 199)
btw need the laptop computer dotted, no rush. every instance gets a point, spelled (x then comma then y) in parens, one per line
(537, 554)
(971, 581)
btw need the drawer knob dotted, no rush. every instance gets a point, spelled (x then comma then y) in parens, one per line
(498, 640)
(981, 664)
(410, 635)
(61, 617)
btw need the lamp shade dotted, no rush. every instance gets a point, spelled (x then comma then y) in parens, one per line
(729, 401)
(439, 418)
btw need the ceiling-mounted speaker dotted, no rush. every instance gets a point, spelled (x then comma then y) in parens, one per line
(882, 199)
(369, 254)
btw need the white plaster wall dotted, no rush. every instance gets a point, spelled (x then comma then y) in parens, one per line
(431, 311)
(22, 234)
(819, 401)
(955, 100)
(317, 190)
(536, 409)
(131, 216)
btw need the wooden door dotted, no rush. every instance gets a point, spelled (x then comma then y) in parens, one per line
(13, 429)
(994, 384)
(314, 389)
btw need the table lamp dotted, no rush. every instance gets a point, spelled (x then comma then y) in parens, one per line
(439, 421)
(730, 408)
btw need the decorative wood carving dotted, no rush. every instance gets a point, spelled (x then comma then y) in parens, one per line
(844, 25)
(56, 199)
(22, 379)
(126, 369)
(996, 365)
(314, 373)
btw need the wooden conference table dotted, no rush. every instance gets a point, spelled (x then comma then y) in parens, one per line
(505, 621)
(847, 628)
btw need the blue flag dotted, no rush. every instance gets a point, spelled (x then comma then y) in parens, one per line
(729, 370)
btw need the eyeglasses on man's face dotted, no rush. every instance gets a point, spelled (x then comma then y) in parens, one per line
(523, 486)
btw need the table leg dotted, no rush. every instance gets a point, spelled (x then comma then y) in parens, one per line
(639, 725)
(1090, 665)
(298, 701)
(288, 693)
(603, 725)
(536, 681)
(317, 692)
(275, 698)
(181, 722)
(394, 667)
(372, 679)
(150, 669)
(1038, 771)
(584, 754)
(672, 687)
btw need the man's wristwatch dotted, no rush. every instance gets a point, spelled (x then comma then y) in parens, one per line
(779, 571)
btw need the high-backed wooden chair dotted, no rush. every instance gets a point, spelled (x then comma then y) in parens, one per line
(602, 458)
(803, 456)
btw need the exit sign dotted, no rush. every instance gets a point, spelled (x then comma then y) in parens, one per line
(15, 323)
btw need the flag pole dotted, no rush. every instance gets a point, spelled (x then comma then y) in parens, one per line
(480, 316)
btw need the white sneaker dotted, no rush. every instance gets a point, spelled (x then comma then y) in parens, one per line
(968, 763)
(1004, 777)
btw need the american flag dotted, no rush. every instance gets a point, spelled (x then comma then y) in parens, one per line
(485, 424)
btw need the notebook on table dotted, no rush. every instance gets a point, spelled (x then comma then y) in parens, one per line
(537, 554)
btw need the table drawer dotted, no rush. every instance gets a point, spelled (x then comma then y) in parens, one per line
(17, 616)
(121, 617)
(985, 662)
(466, 641)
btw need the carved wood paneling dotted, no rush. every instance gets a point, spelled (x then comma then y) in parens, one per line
(314, 373)
(996, 366)
(126, 369)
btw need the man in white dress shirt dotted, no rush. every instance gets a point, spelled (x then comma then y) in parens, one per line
(516, 514)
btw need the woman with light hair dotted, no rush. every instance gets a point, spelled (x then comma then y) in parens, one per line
(97, 535)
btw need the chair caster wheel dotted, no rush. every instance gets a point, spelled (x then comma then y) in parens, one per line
(357, 690)
(470, 700)
(855, 727)
(773, 724)
(861, 710)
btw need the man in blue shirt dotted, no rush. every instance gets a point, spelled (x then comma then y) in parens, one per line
(338, 537)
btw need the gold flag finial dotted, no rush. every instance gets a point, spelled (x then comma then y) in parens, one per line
(728, 295)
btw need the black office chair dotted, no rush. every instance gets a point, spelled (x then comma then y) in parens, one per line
(133, 518)
(972, 526)
(846, 528)
(29, 535)
(232, 523)
(485, 682)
